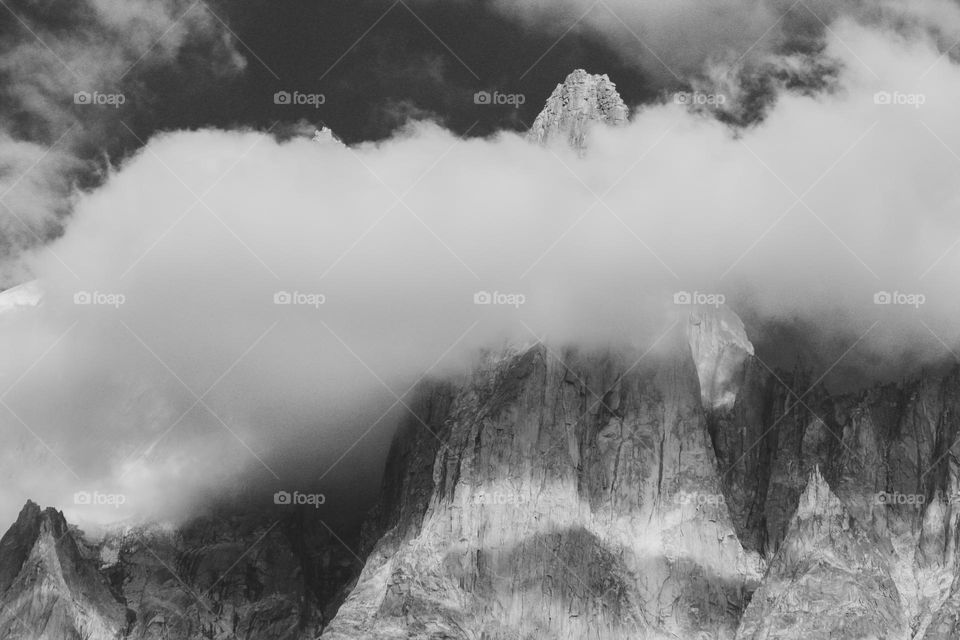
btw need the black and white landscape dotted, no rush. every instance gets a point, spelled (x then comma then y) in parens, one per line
(480, 320)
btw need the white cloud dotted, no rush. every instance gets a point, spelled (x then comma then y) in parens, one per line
(692, 206)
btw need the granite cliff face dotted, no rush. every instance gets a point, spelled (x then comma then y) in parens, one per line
(567, 495)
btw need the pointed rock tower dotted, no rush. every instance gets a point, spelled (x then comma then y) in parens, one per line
(574, 106)
(830, 580)
(49, 585)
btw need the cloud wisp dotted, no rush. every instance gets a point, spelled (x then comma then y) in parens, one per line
(71, 73)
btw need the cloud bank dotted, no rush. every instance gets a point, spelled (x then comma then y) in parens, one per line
(231, 313)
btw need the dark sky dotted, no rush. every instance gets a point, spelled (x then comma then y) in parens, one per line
(377, 63)
(397, 69)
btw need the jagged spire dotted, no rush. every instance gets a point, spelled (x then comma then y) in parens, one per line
(325, 135)
(48, 588)
(581, 100)
(834, 569)
(818, 499)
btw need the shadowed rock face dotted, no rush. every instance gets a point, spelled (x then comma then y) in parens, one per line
(51, 589)
(226, 576)
(889, 456)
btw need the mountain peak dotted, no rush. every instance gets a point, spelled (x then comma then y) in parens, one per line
(325, 135)
(580, 100)
(49, 588)
(839, 571)
(818, 499)
(16, 543)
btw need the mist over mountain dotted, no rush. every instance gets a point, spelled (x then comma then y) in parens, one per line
(643, 355)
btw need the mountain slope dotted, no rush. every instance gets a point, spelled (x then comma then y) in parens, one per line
(830, 580)
(572, 494)
(51, 588)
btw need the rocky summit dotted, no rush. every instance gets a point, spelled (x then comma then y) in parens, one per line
(577, 104)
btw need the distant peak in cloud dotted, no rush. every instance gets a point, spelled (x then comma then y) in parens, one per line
(578, 102)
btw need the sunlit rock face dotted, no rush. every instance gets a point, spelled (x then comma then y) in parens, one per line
(830, 579)
(577, 104)
(561, 495)
(720, 350)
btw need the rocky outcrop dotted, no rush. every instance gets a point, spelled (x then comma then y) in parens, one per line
(326, 136)
(50, 588)
(229, 576)
(571, 494)
(721, 350)
(830, 579)
(582, 100)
